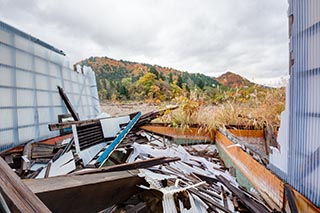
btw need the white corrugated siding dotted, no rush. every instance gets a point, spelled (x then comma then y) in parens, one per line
(30, 71)
(304, 131)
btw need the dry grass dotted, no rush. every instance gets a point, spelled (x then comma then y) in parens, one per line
(261, 109)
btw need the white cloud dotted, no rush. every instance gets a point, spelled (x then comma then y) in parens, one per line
(209, 36)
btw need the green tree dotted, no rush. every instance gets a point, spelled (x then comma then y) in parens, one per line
(170, 78)
(179, 81)
(153, 70)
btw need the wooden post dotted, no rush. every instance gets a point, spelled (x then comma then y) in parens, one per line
(68, 104)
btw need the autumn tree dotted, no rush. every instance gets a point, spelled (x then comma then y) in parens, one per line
(144, 83)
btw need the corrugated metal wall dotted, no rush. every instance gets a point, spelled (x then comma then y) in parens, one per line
(30, 71)
(304, 130)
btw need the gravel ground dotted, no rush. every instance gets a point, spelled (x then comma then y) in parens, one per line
(115, 109)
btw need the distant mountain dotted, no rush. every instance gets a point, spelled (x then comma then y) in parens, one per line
(233, 80)
(125, 80)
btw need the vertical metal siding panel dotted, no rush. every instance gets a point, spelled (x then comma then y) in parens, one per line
(304, 127)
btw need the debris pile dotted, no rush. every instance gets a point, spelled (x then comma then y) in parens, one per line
(176, 178)
(141, 171)
(192, 184)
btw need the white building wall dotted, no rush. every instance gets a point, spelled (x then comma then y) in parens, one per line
(30, 71)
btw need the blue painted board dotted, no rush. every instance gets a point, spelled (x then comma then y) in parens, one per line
(106, 154)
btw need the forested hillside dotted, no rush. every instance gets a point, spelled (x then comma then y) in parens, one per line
(124, 80)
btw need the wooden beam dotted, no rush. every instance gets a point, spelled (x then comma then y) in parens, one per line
(144, 119)
(212, 204)
(290, 197)
(250, 203)
(68, 104)
(86, 193)
(17, 195)
(129, 166)
(68, 124)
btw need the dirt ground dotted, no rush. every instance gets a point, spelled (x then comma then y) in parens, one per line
(115, 109)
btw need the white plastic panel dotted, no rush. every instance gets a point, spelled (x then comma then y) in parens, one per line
(57, 99)
(57, 111)
(66, 74)
(26, 116)
(6, 57)
(6, 78)
(41, 66)
(25, 97)
(54, 83)
(6, 116)
(54, 70)
(5, 37)
(30, 71)
(42, 82)
(75, 87)
(27, 133)
(43, 98)
(23, 44)
(68, 87)
(23, 60)
(41, 51)
(7, 136)
(25, 79)
(44, 115)
(6, 97)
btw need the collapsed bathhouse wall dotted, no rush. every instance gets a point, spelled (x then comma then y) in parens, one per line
(30, 71)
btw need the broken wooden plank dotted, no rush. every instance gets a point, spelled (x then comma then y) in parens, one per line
(148, 117)
(86, 193)
(68, 104)
(291, 200)
(224, 196)
(58, 126)
(129, 166)
(250, 203)
(209, 201)
(47, 170)
(17, 195)
(235, 203)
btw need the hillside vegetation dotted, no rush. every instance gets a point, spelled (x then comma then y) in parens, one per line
(124, 80)
(210, 102)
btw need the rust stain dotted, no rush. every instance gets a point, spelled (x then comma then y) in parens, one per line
(247, 133)
(303, 204)
(51, 141)
(268, 185)
(194, 133)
